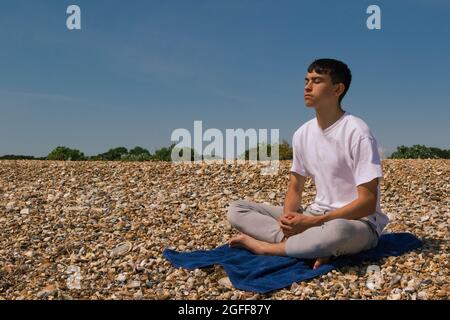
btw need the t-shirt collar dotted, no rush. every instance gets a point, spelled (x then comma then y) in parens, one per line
(330, 128)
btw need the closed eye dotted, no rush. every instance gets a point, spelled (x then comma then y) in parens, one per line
(314, 80)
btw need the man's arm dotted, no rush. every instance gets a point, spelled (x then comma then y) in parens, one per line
(359, 208)
(294, 193)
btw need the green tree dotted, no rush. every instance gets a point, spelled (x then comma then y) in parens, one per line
(419, 152)
(441, 153)
(137, 154)
(63, 154)
(268, 152)
(284, 151)
(139, 151)
(16, 157)
(137, 157)
(163, 154)
(113, 154)
(182, 151)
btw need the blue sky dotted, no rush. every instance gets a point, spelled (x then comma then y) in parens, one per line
(140, 69)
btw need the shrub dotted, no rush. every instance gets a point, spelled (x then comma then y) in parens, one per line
(137, 157)
(419, 152)
(113, 154)
(163, 154)
(65, 154)
(17, 157)
(139, 151)
(284, 151)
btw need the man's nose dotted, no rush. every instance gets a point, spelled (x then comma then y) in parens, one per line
(308, 86)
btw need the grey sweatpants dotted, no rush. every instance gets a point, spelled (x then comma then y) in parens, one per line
(333, 238)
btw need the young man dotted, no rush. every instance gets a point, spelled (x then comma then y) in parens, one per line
(340, 153)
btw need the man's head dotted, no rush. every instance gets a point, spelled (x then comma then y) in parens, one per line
(327, 82)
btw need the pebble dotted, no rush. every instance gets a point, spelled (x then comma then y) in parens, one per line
(121, 249)
(395, 279)
(395, 294)
(422, 295)
(121, 278)
(134, 284)
(225, 281)
(47, 291)
(10, 206)
(374, 279)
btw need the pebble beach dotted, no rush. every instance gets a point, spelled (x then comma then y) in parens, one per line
(96, 230)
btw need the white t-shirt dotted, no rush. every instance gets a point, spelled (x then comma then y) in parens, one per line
(339, 158)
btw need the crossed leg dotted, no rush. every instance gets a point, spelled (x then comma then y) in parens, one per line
(261, 234)
(266, 248)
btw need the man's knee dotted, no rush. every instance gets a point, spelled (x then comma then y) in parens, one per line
(233, 212)
(340, 228)
(339, 234)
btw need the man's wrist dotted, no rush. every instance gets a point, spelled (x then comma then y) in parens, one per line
(286, 211)
(322, 219)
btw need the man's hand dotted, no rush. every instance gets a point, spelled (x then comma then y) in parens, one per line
(292, 223)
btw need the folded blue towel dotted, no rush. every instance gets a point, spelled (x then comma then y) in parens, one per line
(262, 274)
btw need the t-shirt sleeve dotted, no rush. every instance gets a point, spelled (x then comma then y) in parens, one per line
(297, 160)
(366, 161)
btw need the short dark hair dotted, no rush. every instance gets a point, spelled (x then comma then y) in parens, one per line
(338, 71)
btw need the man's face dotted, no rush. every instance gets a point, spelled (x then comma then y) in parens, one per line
(320, 90)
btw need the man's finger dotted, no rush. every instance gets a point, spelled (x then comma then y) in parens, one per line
(285, 227)
(288, 215)
(285, 221)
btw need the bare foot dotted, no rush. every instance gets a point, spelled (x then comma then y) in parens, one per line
(249, 243)
(321, 261)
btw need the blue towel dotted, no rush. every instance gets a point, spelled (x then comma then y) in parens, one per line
(262, 274)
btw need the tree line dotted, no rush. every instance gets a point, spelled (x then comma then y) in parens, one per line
(137, 153)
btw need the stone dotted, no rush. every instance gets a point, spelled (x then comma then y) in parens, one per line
(121, 277)
(134, 284)
(422, 295)
(395, 279)
(395, 294)
(374, 279)
(121, 249)
(225, 281)
(10, 206)
(47, 291)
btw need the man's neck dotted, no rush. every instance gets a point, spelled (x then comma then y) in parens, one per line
(326, 117)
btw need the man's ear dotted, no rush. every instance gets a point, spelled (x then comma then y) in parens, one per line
(339, 89)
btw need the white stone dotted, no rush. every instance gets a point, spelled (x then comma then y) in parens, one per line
(121, 277)
(225, 281)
